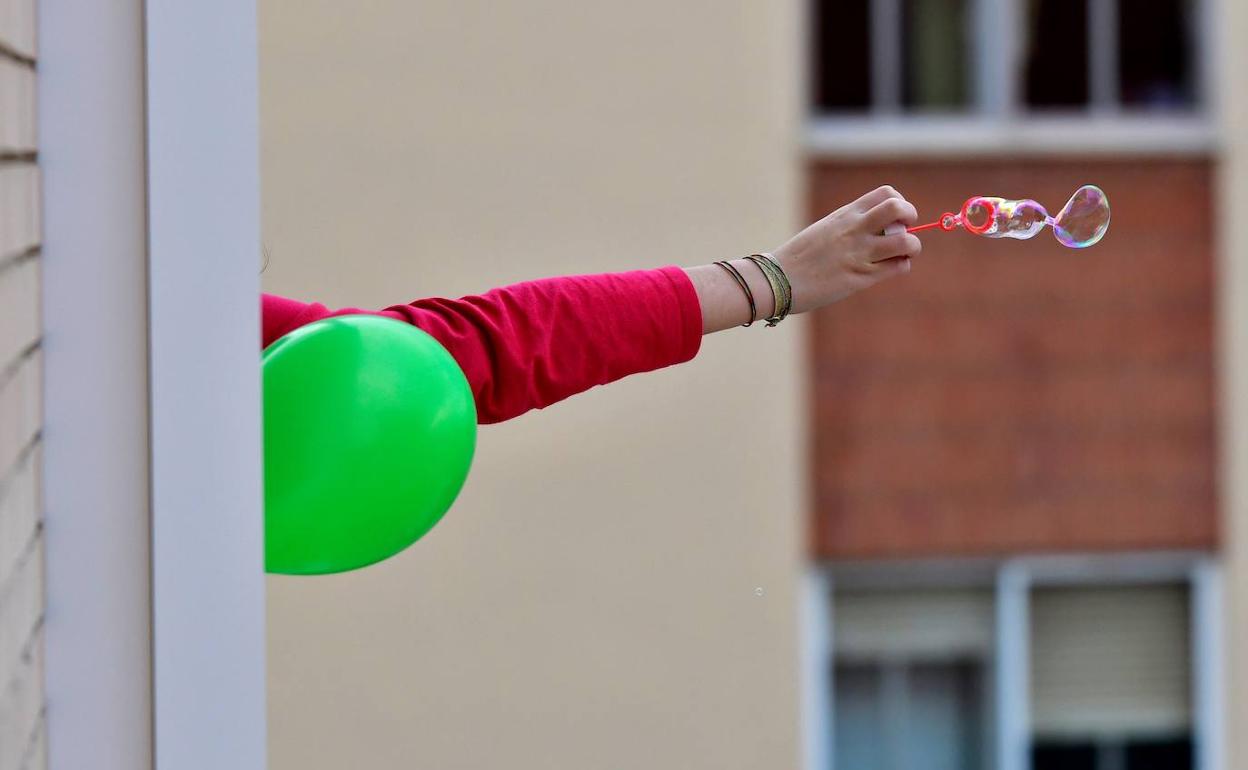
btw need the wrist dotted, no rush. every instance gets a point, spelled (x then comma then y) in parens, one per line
(791, 258)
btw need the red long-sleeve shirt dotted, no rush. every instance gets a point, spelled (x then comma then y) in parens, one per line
(529, 345)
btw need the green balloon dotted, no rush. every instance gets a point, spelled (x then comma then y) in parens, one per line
(369, 430)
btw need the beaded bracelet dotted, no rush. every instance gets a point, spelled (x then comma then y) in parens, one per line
(745, 287)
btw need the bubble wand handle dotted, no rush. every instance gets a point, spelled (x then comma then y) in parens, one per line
(946, 222)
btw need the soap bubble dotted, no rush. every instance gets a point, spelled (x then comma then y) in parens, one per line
(1081, 222)
(1001, 218)
(1084, 219)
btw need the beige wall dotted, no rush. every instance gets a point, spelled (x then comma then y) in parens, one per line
(1233, 347)
(590, 602)
(21, 377)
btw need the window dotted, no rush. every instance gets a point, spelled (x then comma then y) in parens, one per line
(1110, 54)
(910, 679)
(1110, 678)
(1156, 63)
(1056, 54)
(843, 63)
(1078, 663)
(912, 54)
(986, 57)
(935, 60)
(910, 714)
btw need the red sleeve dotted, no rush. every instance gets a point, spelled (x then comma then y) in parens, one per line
(529, 345)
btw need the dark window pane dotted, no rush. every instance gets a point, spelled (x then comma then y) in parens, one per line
(1063, 756)
(858, 718)
(921, 716)
(1057, 53)
(841, 74)
(945, 710)
(934, 54)
(1155, 53)
(1172, 754)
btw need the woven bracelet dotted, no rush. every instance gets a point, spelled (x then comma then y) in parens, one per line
(745, 287)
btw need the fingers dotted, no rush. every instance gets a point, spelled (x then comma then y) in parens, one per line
(887, 212)
(875, 197)
(890, 267)
(902, 244)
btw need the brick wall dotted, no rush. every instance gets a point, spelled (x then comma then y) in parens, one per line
(1018, 396)
(21, 552)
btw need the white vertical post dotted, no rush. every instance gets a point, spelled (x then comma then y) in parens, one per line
(1207, 46)
(1208, 671)
(98, 652)
(204, 281)
(886, 55)
(996, 36)
(1103, 88)
(816, 684)
(1012, 667)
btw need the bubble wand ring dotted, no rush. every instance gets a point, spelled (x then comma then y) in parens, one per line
(949, 221)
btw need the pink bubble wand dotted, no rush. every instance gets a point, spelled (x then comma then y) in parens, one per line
(1081, 223)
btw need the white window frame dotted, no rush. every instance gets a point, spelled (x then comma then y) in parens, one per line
(148, 115)
(1012, 581)
(997, 123)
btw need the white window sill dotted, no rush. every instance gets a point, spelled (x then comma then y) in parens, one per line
(931, 136)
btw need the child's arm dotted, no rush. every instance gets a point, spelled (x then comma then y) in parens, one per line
(530, 345)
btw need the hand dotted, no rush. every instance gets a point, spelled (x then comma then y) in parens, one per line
(854, 247)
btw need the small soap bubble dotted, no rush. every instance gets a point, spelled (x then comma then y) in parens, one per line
(1002, 218)
(759, 591)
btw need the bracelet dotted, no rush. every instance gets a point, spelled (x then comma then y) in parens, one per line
(784, 298)
(782, 291)
(784, 280)
(777, 291)
(745, 287)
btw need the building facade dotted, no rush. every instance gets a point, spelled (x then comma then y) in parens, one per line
(1017, 522)
(21, 390)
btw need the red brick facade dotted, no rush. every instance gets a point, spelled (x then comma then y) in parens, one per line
(1018, 396)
